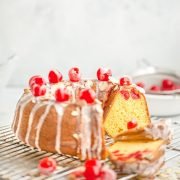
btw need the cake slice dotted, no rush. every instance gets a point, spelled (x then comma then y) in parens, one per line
(160, 129)
(125, 109)
(143, 158)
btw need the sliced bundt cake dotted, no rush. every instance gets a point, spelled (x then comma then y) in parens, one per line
(126, 108)
(54, 117)
(143, 158)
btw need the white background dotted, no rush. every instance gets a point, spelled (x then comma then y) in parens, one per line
(48, 34)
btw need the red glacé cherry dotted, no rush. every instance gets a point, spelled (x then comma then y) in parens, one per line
(47, 166)
(140, 84)
(125, 81)
(74, 74)
(103, 74)
(88, 95)
(92, 162)
(55, 76)
(38, 90)
(125, 94)
(138, 155)
(36, 80)
(61, 95)
(155, 88)
(92, 169)
(131, 124)
(116, 151)
(135, 94)
(168, 85)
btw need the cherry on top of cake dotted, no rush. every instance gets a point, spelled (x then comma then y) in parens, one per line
(104, 74)
(62, 94)
(56, 88)
(128, 89)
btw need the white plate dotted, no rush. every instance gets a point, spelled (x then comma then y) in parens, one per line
(165, 104)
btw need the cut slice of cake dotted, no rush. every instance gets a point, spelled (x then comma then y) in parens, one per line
(126, 108)
(160, 129)
(143, 158)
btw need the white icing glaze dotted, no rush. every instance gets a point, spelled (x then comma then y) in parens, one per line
(97, 89)
(91, 117)
(102, 89)
(54, 87)
(88, 84)
(40, 123)
(140, 89)
(60, 110)
(113, 80)
(85, 132)
(75, 87)
(31, 118)
(103, 85)
(97, 115)
(22, 104)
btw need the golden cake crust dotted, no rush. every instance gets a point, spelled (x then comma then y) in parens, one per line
(36, 124)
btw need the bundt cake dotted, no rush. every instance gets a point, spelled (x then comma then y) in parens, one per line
(66, 116)
(143, 158)
(68, 128)
(63, 117)
(125, 108)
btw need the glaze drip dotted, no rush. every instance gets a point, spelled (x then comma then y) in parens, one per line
(91, 117)
(60, 111)
(86, 132)
(31, 118)
(40, 123)
(97, 117)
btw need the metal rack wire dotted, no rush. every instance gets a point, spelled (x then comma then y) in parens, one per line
(18, 161)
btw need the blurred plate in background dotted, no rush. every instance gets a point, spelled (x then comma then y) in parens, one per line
(161, 103)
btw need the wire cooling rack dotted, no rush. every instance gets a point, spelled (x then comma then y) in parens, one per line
(18, 161)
